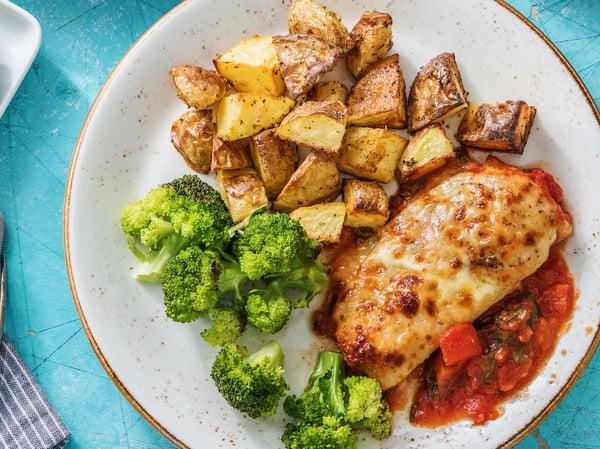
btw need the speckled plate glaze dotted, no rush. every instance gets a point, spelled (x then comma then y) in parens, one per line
(124, 150)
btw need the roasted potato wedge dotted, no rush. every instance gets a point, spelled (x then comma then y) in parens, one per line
(243, 114)
(308, 17)
(436, 93)
(367, 205)
(323, 221)
(198, 87)
(427, 150)
(192, 135)
(316, 180)
(371, 153)
(378, 98)
(316, 124)
(230, 155)
(304, 59)
(242, 190)
(252, 66)
(497, 127)
(372, 40)
(327, 91)
(274, 159)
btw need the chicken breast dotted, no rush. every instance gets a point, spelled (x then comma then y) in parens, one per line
(444, 259)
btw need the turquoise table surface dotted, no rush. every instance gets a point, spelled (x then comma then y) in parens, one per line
(82, 42)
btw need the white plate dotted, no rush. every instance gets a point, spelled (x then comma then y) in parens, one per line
(124, 150)
(20, 37)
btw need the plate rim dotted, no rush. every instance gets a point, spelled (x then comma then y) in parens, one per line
(519, 434)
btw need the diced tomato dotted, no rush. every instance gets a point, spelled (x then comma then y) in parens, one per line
(545, 336)
(445, 374)
(480, 408)
(554, 301)
(476, 371)
(509, 374)
(460, 344)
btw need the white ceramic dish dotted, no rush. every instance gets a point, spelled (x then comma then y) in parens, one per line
(124, 150)
(21, 36)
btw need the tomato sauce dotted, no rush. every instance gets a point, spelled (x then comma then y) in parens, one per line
(517, 336)
(514, 339)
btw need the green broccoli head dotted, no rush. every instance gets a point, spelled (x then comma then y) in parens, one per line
(323, 395)
(189, 283)
(367, 407)
(309, 278)
(202, 215)
(354, 402)
(273, 248)
(268, 312)
(331, 434)
(227, 325)
(269, 307)
(171, 217)
(252, 384)
(271, 243)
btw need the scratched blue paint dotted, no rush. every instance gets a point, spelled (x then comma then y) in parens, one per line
(83, 40)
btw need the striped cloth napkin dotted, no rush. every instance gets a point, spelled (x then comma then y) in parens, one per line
(27, 420)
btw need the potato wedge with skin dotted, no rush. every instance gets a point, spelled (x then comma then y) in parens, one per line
(274, 159)
(378, 98)
(327, 91)
(308, 17)
(244, 114)
(252, 66)
(373, 39)
(316, 180)
(230, 155)
(427, 150)
(497, 127)
(367, 204)
(323, 221)
(192, 135)
(198, 87)
(316, 124)
(436, 93)
(371, 153)
(242, 190)
(304, 59)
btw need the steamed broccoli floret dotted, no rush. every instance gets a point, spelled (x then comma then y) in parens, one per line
(227, 325)
(268, 310)
(309, 278)
(272, 243)
(189, 283)
(332, 403)
(366, 407)
(324, 394)
(232, 283)
(331, 434)
(171, 217)
(252, 384)
(273, 248)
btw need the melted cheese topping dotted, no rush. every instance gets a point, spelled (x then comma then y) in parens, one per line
(444, 259)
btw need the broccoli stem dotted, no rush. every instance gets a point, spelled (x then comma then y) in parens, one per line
(271, 353)
(330, 371)
(153, 263)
